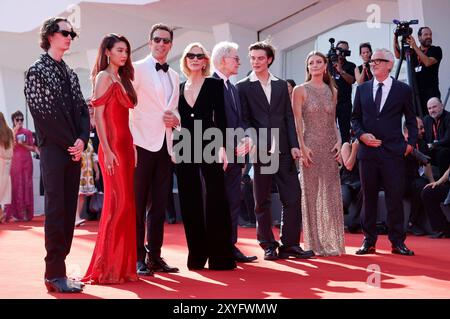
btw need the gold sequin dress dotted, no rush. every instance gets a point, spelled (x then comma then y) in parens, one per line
(322, 212)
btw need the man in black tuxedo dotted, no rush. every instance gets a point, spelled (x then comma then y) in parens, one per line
(266, 105)
(226, 63)
(61, 119)
(377, 121)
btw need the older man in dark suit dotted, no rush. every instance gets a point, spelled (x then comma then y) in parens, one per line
(226, 64)
(266, 105)
(377, 121)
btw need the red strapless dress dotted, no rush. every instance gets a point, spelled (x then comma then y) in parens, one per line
(114, 257)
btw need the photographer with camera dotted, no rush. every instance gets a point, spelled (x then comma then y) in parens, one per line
(425, 61)
(418, 174)
(343, 72)
(362, 72)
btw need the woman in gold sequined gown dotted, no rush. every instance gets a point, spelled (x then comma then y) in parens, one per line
(314, 104)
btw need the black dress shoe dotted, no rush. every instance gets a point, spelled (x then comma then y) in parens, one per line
(143, 270)
(270, 253)
(402, 250)
(61, 285)
(241, 258)
(366, 248)
(295, 251)
(159, 265)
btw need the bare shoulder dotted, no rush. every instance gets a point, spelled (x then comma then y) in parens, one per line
(102, 83)
(299, 91)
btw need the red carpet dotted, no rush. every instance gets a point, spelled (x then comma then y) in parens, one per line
(426, 275)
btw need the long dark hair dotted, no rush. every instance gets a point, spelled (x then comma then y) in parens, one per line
(126, 72)
(327, 78)
(6, 134)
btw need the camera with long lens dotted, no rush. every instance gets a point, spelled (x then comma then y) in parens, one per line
(420, 157)
(403, 28)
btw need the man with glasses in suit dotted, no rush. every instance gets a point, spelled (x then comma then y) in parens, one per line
(152, 122)
(379, 107)
(226, 64)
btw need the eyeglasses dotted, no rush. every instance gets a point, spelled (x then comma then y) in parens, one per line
(234, 57)
(18, 119)
(164, 40)
(199, 56)
(66, 33)
(378, 61)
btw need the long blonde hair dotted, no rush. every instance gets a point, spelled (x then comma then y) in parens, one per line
(6, 134)
(326, 75)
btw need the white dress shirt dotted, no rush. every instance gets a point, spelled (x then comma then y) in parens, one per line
(267, 87)
(165, 82)
(223, 77)
(387, 84)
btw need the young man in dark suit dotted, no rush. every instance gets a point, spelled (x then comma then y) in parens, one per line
(377, 121)
(266, 105)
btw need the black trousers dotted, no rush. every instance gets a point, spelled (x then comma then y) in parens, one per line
(344, 114)
(351, 194)
(432, 199)
(233, 176)
(61, 178)
(207, 221)
(151, 185)
(288, 184)
(390, 174)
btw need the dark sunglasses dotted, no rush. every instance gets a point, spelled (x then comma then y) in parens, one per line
(378, 61)
(66, 33)
(164, 40)
(199, 56)
(18, 119)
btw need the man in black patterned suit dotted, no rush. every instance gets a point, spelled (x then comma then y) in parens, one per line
(61, 120)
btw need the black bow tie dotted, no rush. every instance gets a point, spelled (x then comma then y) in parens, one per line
(164, 67)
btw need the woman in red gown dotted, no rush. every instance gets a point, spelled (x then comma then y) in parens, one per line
(114, 257)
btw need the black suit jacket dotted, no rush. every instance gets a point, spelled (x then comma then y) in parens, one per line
(443, 130)
(387, 125)
(233, 116)
(258, 113)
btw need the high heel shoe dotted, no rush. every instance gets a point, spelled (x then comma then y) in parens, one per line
(61, 285)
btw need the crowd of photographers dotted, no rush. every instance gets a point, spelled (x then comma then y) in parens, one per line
(428, 166)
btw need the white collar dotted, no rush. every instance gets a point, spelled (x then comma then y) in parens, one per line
(153, 60)
(222, 76)
(254, 78)
(387, 82)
